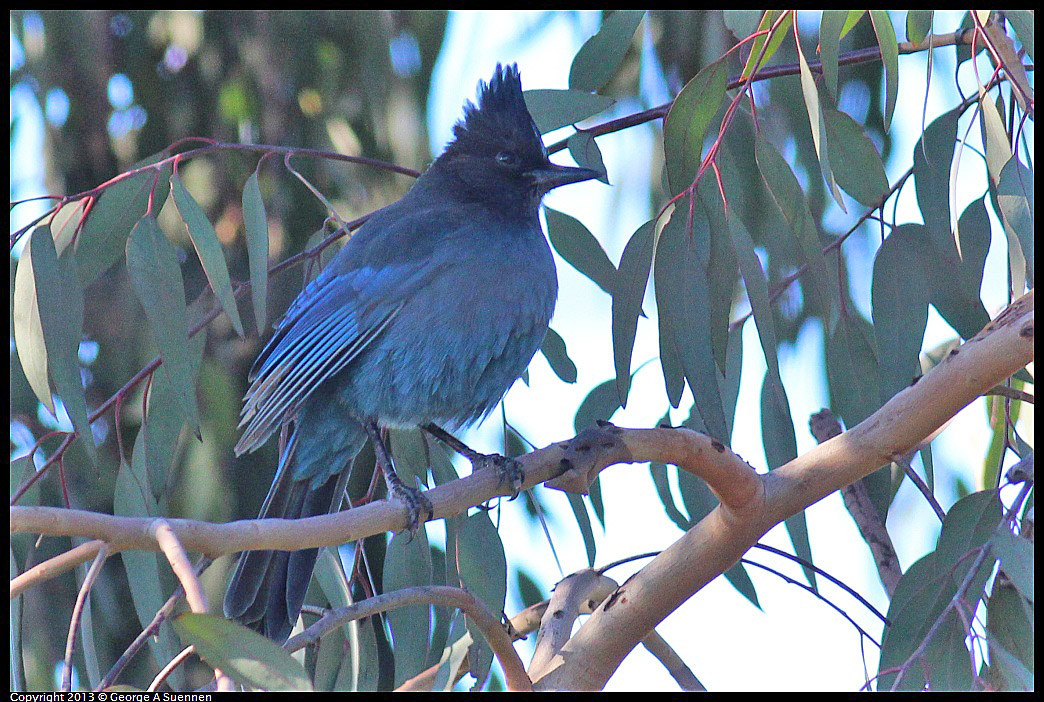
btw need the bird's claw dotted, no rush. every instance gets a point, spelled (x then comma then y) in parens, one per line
(508, 469)
(417, 503)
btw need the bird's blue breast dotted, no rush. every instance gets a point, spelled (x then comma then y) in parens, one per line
(461, 338)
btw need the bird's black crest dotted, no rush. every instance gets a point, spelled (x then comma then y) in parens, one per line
(500, 112)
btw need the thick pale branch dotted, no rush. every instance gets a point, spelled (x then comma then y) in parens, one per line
(566, 604)
(716, 542)
(574, 463)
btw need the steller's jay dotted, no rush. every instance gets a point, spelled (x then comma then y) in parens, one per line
(426, 317)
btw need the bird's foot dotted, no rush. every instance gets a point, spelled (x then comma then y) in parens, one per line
(416, 502)
(509, 470)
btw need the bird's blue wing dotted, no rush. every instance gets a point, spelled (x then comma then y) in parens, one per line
(330, 323)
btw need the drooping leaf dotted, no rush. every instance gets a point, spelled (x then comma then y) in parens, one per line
(790, 199)
(631, 281)
(156, 276)
(554, 350)
(819, 130)
(133, 497)
(742, 23)
(28, 331)
(483, 571)
(601, 55)
(256, 225)
(830, 45)
(103, 238)
(773, 40)
(408, 564)
(686, 124)
(584, 150)
(927, 588)
(48, 321)
(899, 293)
(682, 299)
(1017, 558)
(554, 109)
(757, 292)
(954, 281)
(851, 21)
(601, 403)
(1009, 632)
(932, 158)
(244, 655)
(890, 58)
(577, 245)
(1015, 200)
(863, 175)
(208, 248)
(1022, 22)
(918, 24)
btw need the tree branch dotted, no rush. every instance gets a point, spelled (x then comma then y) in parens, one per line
(588, 660)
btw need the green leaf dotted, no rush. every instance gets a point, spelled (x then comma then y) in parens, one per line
(780, 442)
(28, 331)
(631, 281)
(1022, 22)
(851, 21)
(742, 23)
(819, 129)
(153, 266)
(774, 41)
(408, 564)
(927, 588)
(104, 235)
(483, 571)
(48, 323)
(601, 55)
(1016, 557)
(601, 403)
(699, 501)
(710, 223)
(208, 248)
(758, 294)
(256, 224)
(577, 245)
(853, 372)
(863, 176)
(133, 497)
(830, 45)
(1009, 631)
(683, 301)
(1015, 201)
(584, 150)
(790, 199)
(852, 369)
(899, 296)
(932, 157)
(890, 58)
(554, 109)
(244, 655)
(918, 25)
(554, 350)
(583, 521)
(686, 124)
(954, 281)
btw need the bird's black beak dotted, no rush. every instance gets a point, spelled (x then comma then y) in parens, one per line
(552, 175)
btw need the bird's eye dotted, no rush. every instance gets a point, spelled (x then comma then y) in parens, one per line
(507, 158)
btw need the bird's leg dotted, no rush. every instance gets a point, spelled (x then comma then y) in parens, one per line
(413, 498)
(509, 469)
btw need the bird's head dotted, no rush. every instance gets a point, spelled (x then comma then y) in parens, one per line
(497, 153)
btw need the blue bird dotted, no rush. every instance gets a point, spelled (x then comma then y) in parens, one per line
(425, 318)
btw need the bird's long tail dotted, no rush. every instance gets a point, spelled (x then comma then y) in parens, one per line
(268, 588)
